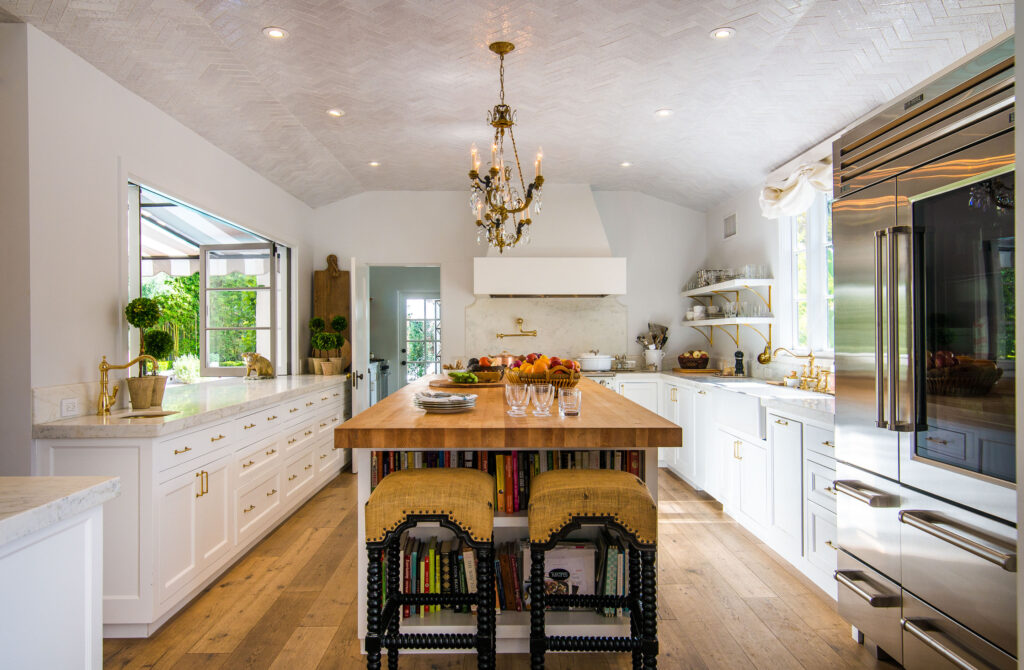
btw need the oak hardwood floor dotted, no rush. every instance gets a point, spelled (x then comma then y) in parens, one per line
(725, 601)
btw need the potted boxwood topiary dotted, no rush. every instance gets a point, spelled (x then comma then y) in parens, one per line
(316, 327)
(342, 355)
(159, 345)
(142, 313)
(322, 345)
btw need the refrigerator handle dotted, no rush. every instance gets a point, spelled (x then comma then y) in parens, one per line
(880, 421)
(901, 421)
(892, 325)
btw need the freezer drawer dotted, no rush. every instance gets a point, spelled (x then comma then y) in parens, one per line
(867, 518)
(962, 563)
(932, 641)
(870, 602)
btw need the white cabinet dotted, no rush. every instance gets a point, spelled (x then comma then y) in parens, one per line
(176, 559)
(753, 480)
(787, 481)
(702, 436)
(684, 460)
(643, 393)
(213, 512)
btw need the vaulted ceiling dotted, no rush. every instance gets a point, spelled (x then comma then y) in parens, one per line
(415, 80)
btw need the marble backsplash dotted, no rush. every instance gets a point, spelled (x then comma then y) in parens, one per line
(46, 400)
(565, 326)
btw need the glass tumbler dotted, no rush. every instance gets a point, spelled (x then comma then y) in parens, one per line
(570, 401)
(518, 398)
(543, 395)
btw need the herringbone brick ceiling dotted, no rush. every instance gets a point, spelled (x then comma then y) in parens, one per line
(415, 79)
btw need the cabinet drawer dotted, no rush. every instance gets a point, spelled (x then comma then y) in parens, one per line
(256, 503)
(325, 423)
(819, 481)
(256, 459)
(871, 602)
(327, 456)
(298, 474)
(184, 448)
(867, 509)
(821, 442)
(300, 437)
(821, 537)
(249, 429)
(929, 639)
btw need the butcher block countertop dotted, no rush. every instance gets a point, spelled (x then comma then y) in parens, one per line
(608, 421)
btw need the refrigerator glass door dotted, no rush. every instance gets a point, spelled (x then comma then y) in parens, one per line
(957, 384)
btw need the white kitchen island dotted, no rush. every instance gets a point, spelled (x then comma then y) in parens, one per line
(51, 570)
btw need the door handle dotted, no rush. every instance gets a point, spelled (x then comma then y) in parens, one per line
(898, 422)
(201, 487)
(925, 522)
(863, 493)
(849, 579)
(912, 627)
(781, 422)
(879, 339)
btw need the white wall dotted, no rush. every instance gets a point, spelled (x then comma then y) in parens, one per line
(662, 243)
(385, 326)
(87, 137)
(15, 338)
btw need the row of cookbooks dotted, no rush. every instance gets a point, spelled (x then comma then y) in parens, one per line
(512, 470)
(586, 567)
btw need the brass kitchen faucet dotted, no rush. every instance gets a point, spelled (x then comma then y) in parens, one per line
(107, 399)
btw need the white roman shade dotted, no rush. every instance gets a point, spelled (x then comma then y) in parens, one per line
(797, 191)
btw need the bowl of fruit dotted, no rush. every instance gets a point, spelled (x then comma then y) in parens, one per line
(485, 369)
(541, 369)
(959, 375)
(694, 360)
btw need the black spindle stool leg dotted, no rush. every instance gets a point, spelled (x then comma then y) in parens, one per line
(635, 610)
(373, 587)
(485, 616)
(649, 579)
(538, 639)
(392, 594)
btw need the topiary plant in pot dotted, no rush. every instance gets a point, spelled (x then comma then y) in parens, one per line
(317, 326)
(142, 313)
(342, 355)
(159, 344)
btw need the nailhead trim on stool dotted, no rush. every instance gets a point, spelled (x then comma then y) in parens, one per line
(472, 521)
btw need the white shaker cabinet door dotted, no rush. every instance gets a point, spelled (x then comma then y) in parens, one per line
(686, 456)
(753, 480)
(787, 480)
(703, 438)
(214, 536)
(644, 394)
(176, 556)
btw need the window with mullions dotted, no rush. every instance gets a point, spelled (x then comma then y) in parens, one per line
(422, 335)
(813, 306)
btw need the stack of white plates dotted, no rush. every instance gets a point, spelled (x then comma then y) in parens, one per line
(444, 403)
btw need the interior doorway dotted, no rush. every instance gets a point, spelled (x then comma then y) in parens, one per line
(405, 326)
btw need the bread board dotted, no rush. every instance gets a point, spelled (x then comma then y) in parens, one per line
(705, 371)
(447, 384)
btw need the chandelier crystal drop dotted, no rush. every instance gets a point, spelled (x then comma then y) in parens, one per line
(501, 200)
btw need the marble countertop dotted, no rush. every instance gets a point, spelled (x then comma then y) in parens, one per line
(193, 404)
(30, 504)
(819, 409)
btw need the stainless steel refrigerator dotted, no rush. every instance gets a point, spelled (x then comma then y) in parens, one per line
(925, 371)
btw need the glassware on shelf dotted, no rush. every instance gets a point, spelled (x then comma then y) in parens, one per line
(542, 395)
(518, 398)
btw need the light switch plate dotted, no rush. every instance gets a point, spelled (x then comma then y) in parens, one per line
(69, 407)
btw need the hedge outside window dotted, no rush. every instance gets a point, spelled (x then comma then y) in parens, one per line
(812, 276)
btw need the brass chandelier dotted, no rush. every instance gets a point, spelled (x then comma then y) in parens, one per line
(501, 200)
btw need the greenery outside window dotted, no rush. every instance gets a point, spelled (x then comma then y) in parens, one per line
(421, 319)
(812, 276)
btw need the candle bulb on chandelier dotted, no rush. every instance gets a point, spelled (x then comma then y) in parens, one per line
(537, 165)
(494, 155)
(473, 162)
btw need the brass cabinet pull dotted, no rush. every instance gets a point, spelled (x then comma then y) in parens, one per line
(293, 477)
(702, 392)
(308, 467)
(828, 443)
(251, 462)
(936, 440)
(323, 456)
(828, 543)
(271, 452)
(248, 509)
(219, 437)
(781, 422)
(308, 433)
(310, 403)
(324, 398)
(201, 491)
(831, 490)
(293, 409)
(251, 425)
(336, 395)
(672, 394)
(271, 418)
(272, 492)
(182, 451)
(293, 440)
(736, 450)
(323, 424)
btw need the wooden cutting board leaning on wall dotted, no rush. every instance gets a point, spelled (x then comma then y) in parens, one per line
(331, 298)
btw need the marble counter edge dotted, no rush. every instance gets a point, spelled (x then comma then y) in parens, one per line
(43, 508)
(797, 409)
(80, 428)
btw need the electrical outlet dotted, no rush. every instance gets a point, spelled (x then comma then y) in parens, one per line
(69, 407)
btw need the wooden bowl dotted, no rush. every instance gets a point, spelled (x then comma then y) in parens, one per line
(559, 377)
(693, 363)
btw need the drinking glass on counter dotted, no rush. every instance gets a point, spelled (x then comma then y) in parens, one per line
(570, 401)
(518, 398)
(542, 394)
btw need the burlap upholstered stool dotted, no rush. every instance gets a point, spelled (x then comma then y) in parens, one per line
(564, 500)
(458, 499)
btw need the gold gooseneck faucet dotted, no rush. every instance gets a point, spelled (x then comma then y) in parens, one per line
(107, 399)
(812, 377)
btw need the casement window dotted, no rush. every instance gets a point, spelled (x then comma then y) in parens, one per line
(812, 310)
(421, 345)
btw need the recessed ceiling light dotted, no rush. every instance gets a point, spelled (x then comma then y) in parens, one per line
(722, 33)
(374, 164)
(625, 164)
(663, 112)
(275, 33)
(335, 112)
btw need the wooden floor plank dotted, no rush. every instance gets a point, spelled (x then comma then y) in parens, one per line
(725, 602)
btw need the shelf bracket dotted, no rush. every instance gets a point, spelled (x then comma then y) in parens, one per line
(736, 338)
(768, 302)
(767, 338)
(709, 336)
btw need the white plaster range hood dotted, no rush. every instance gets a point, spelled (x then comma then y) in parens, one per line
(569, 254)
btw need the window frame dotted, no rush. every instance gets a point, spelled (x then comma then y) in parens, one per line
(205, 369)
(403, 341)
(818, 296)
